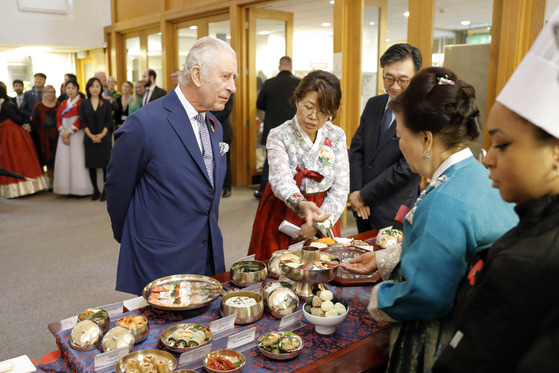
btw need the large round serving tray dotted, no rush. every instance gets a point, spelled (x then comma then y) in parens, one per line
(140, 356)
(314, 276)
(205, 286)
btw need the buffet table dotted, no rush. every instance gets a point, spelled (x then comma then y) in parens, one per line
(359, 341)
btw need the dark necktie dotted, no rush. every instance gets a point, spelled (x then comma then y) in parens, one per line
(206, 147)
(385, 123)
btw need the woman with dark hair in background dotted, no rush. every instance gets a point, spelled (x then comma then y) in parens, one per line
(309, 169)
(17, 152)
(457, 215)
(96, 118)
(44, 121)
(69, 167)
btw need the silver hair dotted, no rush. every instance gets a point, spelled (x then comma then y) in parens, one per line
(203, 54)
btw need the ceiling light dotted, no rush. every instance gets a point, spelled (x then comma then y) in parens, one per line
(388, 40)
(332, 2)
(264, 33)
(406, 14)
(325, 24)
(228, 37)
(371, 23)
(193, 27)
(465, 23)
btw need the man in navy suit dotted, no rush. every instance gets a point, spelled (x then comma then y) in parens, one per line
(30, 98)
(166, 173)
(380, 178)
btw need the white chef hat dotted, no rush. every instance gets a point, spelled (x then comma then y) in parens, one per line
(533, 89)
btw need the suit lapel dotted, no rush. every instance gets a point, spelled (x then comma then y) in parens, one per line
(182, 126)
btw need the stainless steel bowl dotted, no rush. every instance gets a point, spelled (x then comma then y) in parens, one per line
(158, 355)
(282, 302)
(98, 316)
(168, 333)
(141, 332)
(273, 264)
(85, 336)
(248, 272)
(313, 276)
(281, 354)
(245, 314)
(234, 356)
(118, 337)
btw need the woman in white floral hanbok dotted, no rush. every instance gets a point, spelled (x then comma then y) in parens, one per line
(309, 170)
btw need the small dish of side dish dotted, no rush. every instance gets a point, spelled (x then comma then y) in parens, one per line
(224, 361)
(280, 345)
(185, 337)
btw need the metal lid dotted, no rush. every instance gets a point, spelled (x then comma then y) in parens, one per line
(85, 336)
(118, 337)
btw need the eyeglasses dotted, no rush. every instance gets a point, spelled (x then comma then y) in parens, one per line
(403, 83)
(307, 111)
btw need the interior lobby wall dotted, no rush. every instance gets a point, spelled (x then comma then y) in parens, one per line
(81, 26)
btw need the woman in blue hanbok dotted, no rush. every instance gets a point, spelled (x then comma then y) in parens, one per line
(457, 215)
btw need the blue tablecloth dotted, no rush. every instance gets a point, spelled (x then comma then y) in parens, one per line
(357, 326)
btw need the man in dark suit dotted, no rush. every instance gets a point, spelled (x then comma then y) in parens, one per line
(166, 173)
(153, 92)
(224, 117)
(380, 178)
(30, 98)
(18, 89)
(274, 99)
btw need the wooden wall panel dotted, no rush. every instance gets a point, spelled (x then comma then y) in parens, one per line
(130, 9)
(420, 27)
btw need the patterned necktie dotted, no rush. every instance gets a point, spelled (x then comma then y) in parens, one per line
(206, 147)
(385, 123)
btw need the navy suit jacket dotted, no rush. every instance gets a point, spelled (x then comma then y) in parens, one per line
(30, 98)
(163, 209)
(378, 168)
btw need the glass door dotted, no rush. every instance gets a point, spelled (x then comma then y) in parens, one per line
(270, 37)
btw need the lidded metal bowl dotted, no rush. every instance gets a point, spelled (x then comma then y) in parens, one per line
(85, 336)
(246, 314)
(118, 337)
(274, 264)
(97, 315)
(248, 272)
(282, 302)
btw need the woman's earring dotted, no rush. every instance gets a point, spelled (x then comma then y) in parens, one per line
(426, 155)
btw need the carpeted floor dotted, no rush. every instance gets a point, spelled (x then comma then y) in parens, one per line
(58, 257)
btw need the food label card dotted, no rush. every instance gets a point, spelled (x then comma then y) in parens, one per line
(114, 309)
(256, 288)
(61, 325)
(195, 355)
(223, 324)
(109, 359)
(242, 338)
(243, 259)
(294, 318)
(135, 303)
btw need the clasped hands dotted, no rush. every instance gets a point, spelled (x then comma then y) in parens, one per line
(65, 138)
(313, 214)
(96, 139)
(359, 206)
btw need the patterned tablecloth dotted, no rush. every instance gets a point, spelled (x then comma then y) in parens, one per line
(357, 326)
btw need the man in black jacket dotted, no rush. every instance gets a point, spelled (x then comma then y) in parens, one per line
(380, 178)
(274, 99)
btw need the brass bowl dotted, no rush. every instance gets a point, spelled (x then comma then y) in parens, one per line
(232, 355)
(245, 314)
(248, 272)
(308, 255)
(141, 332)
(158, 355)
(282, 302)
(85, 336)
(281, 354)
(273, 264)
(98, 316)
(168, 333)
(118, 337)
